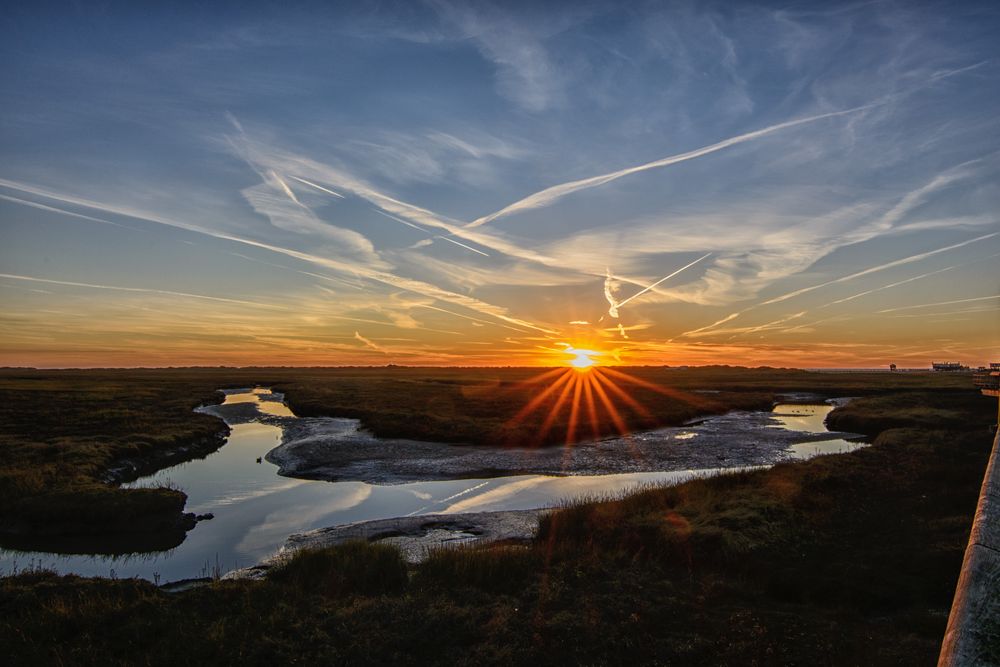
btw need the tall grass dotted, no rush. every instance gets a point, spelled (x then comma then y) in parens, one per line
(352, 568)
(497, 568)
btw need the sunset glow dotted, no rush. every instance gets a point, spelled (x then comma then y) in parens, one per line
(704, 200)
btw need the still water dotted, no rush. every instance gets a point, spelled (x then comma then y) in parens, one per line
(255, 510)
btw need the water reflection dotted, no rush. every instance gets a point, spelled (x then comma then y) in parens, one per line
(810, 419)
(255, 510)
(794, 417)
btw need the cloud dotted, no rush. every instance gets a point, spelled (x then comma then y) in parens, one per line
(514, 44)
(433, 157)
(264, 157)
(368, 343)
(330, 263)
(858, 274)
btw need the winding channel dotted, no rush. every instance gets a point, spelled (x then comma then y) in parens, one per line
(255, 509)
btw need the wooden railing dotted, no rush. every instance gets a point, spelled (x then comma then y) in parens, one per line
(973, 634)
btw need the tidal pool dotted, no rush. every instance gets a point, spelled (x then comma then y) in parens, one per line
(255, 510)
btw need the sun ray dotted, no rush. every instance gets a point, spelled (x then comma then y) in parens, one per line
(684, 396)
(611, 409)
(538, 399)
(536, 379)
(588, 381)
(556, 409)
(574, 412)
(628, 400)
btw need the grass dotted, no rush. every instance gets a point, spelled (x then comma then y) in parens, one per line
(61, 432)
(847, 559)
(354, 568)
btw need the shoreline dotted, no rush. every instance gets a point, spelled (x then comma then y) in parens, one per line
(415, 536)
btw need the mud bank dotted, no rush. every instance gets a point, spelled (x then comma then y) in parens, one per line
(337, 450)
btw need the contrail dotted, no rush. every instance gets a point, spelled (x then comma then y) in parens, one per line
(400, 220)
(683, 268)
(318, 187)
(53, 209)
(769, 325)
(940, 303)
(445, 238)
(144, 290)
(890, 285)
(874, 269)
(284, 186)
(476, 320)
(615, 305)
(552, 194)
(418, 227)
(727, 318)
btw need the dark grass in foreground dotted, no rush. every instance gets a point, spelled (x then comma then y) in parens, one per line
(61, 432)
(841, 560)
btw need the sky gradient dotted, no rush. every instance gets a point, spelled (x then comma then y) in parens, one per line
(456, 183)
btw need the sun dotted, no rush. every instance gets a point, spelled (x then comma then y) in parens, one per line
(582, 359)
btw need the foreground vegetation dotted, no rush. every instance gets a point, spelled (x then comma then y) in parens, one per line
(65, 434)
(848, 559)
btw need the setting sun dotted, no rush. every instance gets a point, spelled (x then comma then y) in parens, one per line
(582, 359)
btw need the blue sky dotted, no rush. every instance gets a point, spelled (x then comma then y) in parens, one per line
(477, 183)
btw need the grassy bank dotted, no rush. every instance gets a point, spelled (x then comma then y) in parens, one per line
(61, 432)
(848, 559)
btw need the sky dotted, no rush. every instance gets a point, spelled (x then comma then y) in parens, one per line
(472, 183)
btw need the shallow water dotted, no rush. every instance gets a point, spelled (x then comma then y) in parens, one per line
(255, 509)
(810, 419)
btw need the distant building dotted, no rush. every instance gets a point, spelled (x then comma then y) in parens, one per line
(948, 366)
(892, 367)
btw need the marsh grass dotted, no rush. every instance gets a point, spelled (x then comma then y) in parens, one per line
(352, 568)
(496, 568)
(847, 559)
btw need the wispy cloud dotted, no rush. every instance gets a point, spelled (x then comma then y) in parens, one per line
(333, 264)
(514, 44)
(368, 343)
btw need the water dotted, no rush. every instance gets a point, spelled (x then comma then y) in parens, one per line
(255, 509)
(810, 419)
